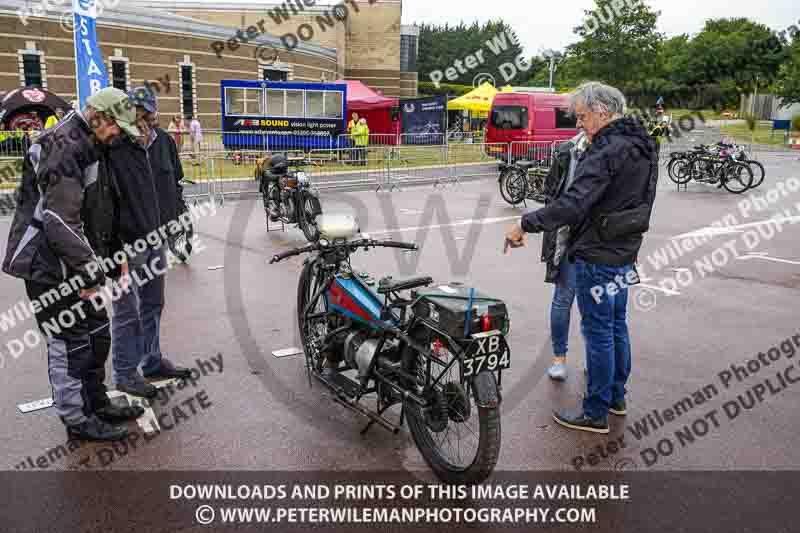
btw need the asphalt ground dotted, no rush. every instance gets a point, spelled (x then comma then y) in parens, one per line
(261, 414)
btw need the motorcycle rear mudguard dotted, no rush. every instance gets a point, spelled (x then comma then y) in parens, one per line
(487, 394)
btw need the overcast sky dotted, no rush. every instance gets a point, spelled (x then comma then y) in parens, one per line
(548, 24)
(544, 24)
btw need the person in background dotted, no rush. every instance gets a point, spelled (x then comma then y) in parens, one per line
(607, 208)
(59, 232)
(561, 271)
(361, 140)
(176, 129)
(351, 126)
(52, 120)
(142, 169)
(196, 136)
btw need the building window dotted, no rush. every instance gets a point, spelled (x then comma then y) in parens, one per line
(270, 74)
(408, 53)
(187, 90)
(119, 78)
(32, 70)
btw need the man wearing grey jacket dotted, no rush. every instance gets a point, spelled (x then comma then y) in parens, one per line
(63, 206)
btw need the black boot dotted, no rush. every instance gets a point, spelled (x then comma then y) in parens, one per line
(94, 429)
(114, 415)
(169, 371)
(136, 386)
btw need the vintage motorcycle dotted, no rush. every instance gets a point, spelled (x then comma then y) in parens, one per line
(522, 180)
(288, 196)
(439, 353)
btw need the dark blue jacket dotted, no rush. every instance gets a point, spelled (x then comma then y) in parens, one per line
(614, 174)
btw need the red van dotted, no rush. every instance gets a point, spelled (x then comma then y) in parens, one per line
(521, 117)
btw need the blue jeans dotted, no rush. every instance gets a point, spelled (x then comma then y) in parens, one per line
(563, 296)
(136, 320)
(605, 331)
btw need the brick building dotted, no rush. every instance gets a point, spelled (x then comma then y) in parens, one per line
(191, 46)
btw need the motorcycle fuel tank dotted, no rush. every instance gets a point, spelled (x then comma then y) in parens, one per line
(349, 296)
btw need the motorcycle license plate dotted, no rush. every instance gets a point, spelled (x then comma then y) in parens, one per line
(488, 351)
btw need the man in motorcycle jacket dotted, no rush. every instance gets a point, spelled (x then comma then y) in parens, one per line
(62, 229)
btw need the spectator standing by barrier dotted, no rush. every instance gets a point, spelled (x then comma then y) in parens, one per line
(176, 128)
(196, 136)
(351, 127)
(361, 140)
(607, 208)
(64, 207)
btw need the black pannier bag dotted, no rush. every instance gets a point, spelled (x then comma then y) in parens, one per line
(445, 307)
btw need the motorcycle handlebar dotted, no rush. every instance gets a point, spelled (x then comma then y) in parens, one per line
(352, 244)
(292, 253)
(397, 244)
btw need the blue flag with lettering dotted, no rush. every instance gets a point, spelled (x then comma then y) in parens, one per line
(89, 67)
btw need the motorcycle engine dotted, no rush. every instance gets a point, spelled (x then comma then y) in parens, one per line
(359, 351)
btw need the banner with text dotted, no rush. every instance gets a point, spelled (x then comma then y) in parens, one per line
(90, 70)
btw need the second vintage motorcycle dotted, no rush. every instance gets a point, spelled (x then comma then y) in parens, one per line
(288, 195)
(438, 352)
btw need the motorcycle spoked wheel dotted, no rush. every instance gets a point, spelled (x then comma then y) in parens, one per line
(314, 330)
(181, 244)
(308, 221)
(513, 186)
(458, 439)
(271, 199)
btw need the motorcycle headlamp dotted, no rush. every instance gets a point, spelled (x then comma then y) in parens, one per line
(302, 178)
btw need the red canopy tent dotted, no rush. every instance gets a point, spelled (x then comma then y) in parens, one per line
(372, 106)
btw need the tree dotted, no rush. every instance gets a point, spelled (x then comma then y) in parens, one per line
(742, 52)
(788, 83)
(619, 43)
(441, 46)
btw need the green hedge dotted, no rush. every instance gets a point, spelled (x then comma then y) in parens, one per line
(449, 89)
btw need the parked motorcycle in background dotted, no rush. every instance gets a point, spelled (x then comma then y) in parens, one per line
(288, 195)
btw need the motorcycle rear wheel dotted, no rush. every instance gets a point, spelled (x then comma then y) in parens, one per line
(308, 219)
(431, 440)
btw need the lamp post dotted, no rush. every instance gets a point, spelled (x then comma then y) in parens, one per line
(554, 57)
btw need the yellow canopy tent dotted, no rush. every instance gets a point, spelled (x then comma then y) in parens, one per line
(478, 100)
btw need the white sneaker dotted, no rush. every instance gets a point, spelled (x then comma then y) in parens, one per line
(557, 372)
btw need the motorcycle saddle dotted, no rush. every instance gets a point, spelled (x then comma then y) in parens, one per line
(388, 285)
(525, 164)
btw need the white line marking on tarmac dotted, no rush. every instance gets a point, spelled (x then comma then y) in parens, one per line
(669, 292)
(710, 230)
(767, 258)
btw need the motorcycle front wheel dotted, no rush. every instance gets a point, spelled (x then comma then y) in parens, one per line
(313, 325)
(513, 186)
(459, 440)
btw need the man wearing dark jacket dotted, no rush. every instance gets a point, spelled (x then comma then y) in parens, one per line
(144, 170)
(61, 231)
(607, 208)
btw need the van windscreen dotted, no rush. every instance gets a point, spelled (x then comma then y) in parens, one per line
(509, 117)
